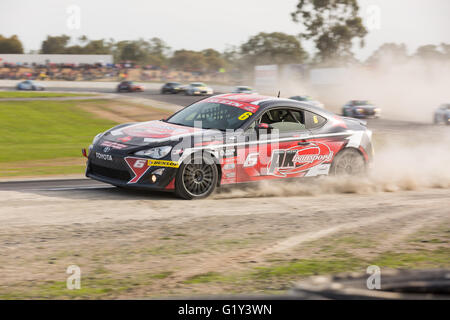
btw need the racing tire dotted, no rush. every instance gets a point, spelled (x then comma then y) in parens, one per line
(196, 177)
(348, 162)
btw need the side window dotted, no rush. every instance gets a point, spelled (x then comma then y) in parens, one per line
(285, 120)
(313, 120)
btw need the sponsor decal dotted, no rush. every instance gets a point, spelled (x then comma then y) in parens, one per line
(102, 156)
(125, 139)
(106, 149)
(241, 105)
(113, 145)
(156, 129)
(138, 166)
(162, 163)
(298, 159)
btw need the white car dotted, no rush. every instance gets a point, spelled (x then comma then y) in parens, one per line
(244, 89)
(29, 85)
(442, 114)
(198, 89)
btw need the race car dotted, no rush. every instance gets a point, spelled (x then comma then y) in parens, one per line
(29, 85)
(243, 89)
(309, 100)
(198, 88)
(360, 109)
(229, 139)
(129, 86)
(171, 87)
(442, 114)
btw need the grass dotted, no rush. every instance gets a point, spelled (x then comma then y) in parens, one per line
(307, 267)
(413, 260)
(38, 130)
(39, 94)
(207, 278)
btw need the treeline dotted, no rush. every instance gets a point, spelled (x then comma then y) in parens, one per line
(333, 26)
(262, 48)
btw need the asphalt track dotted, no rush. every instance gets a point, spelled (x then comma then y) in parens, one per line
(152, 92)
(52, 185)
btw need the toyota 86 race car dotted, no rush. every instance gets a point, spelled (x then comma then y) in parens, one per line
(229, 139)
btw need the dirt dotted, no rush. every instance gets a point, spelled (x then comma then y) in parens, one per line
(128, 235)
(132, 244)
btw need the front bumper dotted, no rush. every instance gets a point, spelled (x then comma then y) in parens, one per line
(119, 168)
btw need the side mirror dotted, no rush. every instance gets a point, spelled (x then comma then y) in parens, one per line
(263, 128)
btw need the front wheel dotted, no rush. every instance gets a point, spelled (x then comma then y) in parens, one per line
(196, 177)
(348, 162)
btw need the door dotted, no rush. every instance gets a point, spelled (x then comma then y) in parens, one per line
(275, 154)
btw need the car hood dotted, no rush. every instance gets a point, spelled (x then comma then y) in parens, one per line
(152, 132)
(201, 88)
(365, 106)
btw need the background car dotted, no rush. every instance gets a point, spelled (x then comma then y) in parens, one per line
(360, 109)
(243, 89)
(171, 87)
(442, 114)
(129, 86)
(309, 100)
(198, 88)
(29, 85)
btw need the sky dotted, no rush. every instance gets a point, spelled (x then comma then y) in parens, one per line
(200, 24)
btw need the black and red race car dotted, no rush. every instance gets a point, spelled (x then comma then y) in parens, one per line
(229, 139)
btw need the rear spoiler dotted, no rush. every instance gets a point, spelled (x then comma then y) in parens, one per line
(361, 122)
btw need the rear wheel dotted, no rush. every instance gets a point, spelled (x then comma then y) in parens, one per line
(196, 177)
(348, 162)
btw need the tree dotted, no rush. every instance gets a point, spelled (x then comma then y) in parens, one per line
(389, 52)
(10, 45)
(188, 60)
(429, 52)
(213, 60)
(273, 48)
(332, 25)
(55, 45)
(153, 51)
(445, 50)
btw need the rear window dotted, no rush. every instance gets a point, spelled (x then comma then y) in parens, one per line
(313, 120)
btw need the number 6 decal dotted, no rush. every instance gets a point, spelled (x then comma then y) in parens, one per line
(140, 163)
(245, 115)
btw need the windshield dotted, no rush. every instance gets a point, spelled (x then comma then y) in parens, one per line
(209, 115)
(359, 103)
(197, 84)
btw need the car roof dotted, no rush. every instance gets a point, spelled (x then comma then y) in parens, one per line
(265, 102)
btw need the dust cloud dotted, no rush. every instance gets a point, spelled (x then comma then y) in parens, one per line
(395, 168)
(405, 89)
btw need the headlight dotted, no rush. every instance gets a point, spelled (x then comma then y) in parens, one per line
(97, 137)
(156, 153)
